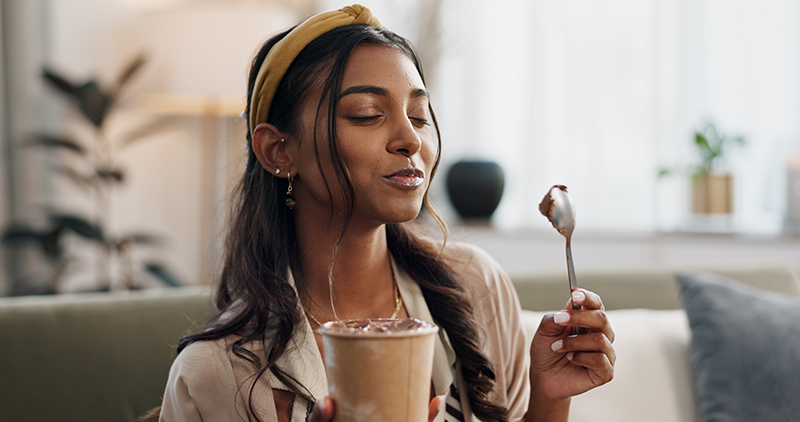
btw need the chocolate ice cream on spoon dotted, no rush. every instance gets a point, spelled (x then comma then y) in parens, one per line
(558, 208)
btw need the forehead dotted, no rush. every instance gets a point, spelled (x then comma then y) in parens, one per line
(380, 65)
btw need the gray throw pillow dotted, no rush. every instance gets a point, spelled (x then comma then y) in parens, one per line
(745, 350)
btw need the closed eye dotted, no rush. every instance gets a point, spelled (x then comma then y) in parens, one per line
(420, 122)
(364, 119)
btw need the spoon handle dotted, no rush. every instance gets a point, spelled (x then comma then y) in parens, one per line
(573, 282)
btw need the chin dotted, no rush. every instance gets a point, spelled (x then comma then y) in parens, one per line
(404, 215)
(404, 218)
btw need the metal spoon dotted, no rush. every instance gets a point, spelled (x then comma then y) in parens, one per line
(558, 208)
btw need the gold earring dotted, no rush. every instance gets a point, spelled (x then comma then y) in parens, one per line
(290, 201)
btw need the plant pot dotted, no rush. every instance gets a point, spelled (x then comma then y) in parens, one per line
(712, 194)
(475, 188)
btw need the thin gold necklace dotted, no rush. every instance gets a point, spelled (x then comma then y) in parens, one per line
(398, 301)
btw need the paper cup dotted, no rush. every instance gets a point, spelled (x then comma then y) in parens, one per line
(379, 369)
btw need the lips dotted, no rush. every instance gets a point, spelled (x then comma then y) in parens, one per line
(407, 177)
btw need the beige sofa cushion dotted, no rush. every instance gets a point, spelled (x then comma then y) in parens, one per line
(652, 376)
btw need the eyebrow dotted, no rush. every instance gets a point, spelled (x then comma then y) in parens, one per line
(419, 92)
(383, 92)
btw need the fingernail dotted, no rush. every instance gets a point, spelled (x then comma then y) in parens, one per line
(561, 317)
(328, 407)
(321, 405)
(442, 403)
(556, 346)
(578, 296)
(570, 355)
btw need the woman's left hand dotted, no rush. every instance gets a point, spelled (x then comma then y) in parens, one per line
(324, 409)
(564, 364)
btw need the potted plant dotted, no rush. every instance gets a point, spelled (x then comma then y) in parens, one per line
(92, 165)
(712, 185)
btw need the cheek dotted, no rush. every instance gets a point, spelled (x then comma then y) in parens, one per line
(363, 163)
(429, 151)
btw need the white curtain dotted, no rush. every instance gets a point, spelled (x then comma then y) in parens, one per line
(598, 95)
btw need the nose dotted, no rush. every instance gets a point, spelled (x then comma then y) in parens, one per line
(404, 140)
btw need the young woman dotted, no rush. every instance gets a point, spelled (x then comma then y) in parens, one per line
(343, 144)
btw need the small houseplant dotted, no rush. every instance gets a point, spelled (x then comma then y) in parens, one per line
(712, 184)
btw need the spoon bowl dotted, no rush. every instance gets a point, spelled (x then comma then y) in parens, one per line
(562, 213)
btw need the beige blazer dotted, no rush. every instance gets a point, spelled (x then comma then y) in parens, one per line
(207, 382)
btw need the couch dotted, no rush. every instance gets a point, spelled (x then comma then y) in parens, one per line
(105, 356)
(93, 356)
(653, 378)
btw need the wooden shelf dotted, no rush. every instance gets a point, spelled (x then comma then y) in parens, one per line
(177, 104)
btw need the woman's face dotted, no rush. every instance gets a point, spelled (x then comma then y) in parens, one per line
(384, 136)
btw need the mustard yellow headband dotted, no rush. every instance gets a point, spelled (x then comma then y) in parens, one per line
(283, 53)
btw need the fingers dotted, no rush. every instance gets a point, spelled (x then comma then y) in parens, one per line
(597, 365)
(593, 351)
(587, 299)
(591, 315)
(593, 320)
(323, 411)
(436, 406)
(591, 342)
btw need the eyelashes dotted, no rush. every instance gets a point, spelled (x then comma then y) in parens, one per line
(422, 122)
(364, 118)
(418, 121)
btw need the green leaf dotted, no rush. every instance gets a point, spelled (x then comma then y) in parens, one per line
(111, 175)
(161, 273)
(57, 142)
(93, 102)
(130, 70)
(49, 240)
(17, 234)
(701, 141)
(139, 239)
(663, 172)
(89, 98)
(80, 226)
(712, 147)
(60, 83)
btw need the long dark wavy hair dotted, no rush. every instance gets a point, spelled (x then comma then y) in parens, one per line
(254, 293)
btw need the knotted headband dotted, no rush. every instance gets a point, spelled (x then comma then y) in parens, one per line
(283, 53)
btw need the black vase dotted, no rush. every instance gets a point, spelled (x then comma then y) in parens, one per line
(475, 188)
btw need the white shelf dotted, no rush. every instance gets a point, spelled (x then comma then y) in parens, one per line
(527, 250)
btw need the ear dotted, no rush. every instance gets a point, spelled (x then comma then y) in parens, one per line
(269, 147)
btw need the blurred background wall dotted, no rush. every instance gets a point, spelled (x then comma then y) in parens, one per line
(600, 95)
(595, 95)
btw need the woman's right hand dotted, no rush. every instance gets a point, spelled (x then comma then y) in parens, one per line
(323, 410)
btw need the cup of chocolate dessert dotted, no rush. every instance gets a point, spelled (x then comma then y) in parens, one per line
(379, 369)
